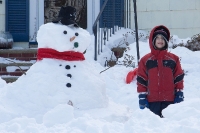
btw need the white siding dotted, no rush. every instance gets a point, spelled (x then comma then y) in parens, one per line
(33, 23)
(36, 17)
(197, 5)
(2, 16)
(157, 5)
(142, 4)
(182, 5)
(180, 16)
(93, 8)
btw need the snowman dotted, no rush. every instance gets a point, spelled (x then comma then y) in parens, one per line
(61, 74)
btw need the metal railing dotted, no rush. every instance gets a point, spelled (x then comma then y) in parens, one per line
(102, 34)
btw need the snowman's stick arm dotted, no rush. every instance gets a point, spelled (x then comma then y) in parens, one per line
(17, 66)
(105, 70)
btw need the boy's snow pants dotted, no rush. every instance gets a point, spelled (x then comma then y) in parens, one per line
(157, 107)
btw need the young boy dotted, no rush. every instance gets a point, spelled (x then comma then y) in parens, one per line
(159, 77)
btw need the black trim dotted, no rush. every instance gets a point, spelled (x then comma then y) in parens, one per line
(151, 64)
(141, 81)
(179, 78)
(33, 43)
(169, 63)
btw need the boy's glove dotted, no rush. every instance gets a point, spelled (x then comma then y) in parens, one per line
(178, 97)
(143, 101)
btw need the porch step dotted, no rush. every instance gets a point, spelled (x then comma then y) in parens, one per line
(3, 65)
(19, 73)
(11, 71)
(19, 54)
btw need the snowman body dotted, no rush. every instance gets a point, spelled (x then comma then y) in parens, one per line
(53, 81)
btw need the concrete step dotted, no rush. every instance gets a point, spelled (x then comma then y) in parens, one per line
(15, 64)
(19, 73)
(24, 58)
(12, 69)
(5, 67)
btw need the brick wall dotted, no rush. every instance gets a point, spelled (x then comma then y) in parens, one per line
(11, 71)
(26, 55)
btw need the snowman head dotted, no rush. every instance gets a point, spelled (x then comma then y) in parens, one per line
(63, 38)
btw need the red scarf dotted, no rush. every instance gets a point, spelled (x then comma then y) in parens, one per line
(66, 55)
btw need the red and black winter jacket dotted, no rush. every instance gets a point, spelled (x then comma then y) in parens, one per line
(159, 73)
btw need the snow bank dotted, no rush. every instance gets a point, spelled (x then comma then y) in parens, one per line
(36, 109)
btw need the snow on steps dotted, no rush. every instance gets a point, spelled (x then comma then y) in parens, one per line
(23, 58)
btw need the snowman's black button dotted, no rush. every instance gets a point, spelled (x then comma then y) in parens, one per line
(65, 32)
(69, 75)
(67, 67)
(60, 65)
(76, 34)
(68, 85)
(74, 65)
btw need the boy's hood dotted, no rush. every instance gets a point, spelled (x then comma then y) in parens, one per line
(154, 51)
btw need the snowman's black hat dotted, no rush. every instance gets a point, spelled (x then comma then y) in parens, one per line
(66, 16)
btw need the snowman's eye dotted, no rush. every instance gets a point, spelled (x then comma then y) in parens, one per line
(76, 34)
(65, 32)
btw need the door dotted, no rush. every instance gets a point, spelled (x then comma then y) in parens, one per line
(17, 19)
(52, 8)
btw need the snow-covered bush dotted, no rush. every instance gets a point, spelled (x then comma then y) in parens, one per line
(118, 51)
(193, 43)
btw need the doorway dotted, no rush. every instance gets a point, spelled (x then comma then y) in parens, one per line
(52, 8)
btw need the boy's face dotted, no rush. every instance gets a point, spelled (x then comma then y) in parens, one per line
(160, 42)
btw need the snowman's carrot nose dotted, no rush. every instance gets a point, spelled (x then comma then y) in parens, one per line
(71, 39)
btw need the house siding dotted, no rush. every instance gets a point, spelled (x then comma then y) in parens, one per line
(2, 16)
(180, 16)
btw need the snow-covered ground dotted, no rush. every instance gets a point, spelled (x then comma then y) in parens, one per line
(19, 108)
